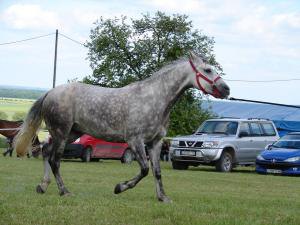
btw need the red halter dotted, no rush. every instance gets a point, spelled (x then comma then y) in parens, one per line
(216, 92)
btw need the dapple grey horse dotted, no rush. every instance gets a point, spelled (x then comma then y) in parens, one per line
(137, 114)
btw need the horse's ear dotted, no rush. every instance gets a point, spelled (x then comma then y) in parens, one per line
(194, 57)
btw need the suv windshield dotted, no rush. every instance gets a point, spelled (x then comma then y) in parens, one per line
(218, 127)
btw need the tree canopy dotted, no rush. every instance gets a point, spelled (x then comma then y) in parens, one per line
(122, 51)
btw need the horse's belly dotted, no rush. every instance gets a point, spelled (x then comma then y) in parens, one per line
(100, 129)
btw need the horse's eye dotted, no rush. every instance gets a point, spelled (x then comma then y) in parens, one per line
(207, 70)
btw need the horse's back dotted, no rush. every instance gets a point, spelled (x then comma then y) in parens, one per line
(88, 107)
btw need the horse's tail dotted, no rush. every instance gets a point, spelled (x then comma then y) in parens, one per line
(32, 122)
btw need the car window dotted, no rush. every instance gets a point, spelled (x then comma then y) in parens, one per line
(245, 128)
(287, 144)
(231, 128)
(291, 137)
(268, 129)
(255, 129)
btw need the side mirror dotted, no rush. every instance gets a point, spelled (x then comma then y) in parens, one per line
(243, 134)
(269, 147)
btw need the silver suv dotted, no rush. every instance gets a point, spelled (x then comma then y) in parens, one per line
(223, 143)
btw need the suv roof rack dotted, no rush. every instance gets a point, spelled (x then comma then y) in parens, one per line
(258, 119)
(229, 117)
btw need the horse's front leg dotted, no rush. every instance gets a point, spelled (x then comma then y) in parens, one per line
(137, 146)
(42, 187)
(154, 154)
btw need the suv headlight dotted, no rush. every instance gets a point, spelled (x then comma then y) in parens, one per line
(259, 157)
(174, 143)
(293, 159)
(210, 144)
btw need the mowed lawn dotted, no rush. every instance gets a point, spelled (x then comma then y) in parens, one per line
(200, 196)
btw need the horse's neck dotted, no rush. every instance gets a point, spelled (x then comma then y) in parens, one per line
(174, 83)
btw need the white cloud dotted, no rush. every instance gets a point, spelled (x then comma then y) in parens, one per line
(85, 17)
(28, 16)
(178, 5)
(290, 19)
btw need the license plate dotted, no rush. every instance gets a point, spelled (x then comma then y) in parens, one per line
(274, 171)
(189, 153)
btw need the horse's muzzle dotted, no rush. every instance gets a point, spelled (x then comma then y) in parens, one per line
(223, 91)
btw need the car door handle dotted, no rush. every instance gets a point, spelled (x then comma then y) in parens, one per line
(251, 140)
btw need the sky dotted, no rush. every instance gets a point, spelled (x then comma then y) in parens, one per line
(254, 40)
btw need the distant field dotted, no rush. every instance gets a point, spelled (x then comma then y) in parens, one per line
(12, 105)
(200, 196)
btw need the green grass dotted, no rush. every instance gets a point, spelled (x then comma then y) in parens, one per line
(200, 196)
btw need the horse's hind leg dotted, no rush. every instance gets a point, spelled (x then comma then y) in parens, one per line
(154, 154)
(54, 161)
(60, 138)
(138, 148)
(42, 187)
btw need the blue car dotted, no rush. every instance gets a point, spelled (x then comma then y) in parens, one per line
(282, 157)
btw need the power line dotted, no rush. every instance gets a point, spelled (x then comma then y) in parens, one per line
(27, 39)
(71, 39)
(41, 36)
(264, 81)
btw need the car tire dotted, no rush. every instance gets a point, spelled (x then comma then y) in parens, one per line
(225, 163)
(179, 165)
(87, 153)
(127, 157)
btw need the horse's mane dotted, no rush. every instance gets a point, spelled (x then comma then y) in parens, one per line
(163, 70)
(168, 66)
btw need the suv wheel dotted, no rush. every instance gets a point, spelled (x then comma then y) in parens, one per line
(87, 154)
(179, 165)
(225, 163)
(127, 156)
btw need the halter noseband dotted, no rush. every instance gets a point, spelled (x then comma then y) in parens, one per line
(199, 75)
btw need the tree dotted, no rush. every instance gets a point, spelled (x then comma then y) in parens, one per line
(121, 53)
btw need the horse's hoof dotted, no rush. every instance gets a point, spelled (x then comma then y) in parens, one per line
(165, 199)
(39, 189)
(68, 194)
(118, 189)
(65, 194)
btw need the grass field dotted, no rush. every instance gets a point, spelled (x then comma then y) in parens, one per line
(200, 196)
(12, 105)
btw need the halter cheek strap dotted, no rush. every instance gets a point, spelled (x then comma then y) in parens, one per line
(199, 75)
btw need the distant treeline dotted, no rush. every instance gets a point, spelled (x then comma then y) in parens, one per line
(20, 93)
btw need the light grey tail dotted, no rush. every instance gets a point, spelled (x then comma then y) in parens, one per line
(32, 122)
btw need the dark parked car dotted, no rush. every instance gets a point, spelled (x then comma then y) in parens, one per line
(89, 148)
(282, 157)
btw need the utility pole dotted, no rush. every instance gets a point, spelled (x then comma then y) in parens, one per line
(55, 58)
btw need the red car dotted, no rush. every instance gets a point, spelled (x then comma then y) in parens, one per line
(89, 148)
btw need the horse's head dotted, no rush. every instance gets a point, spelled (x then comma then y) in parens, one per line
(207, 79)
